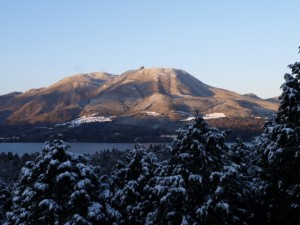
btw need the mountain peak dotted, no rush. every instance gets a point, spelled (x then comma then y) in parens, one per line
(252, 95)
(168, 92)
(154, 72)
(167, 81)
(83, 79)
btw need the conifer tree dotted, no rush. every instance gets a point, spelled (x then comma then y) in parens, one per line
(56, 188)
(239, 159)
(197, 185)
(128, 198)
(278, 158)
(5, 201)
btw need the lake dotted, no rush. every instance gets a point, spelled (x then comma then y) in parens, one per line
(76, 147)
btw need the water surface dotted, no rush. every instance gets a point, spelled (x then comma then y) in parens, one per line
(78, 147)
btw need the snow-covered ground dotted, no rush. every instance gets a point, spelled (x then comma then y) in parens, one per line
(206, 116)
(86, 119)
(100, 119)
(190, 118)
(213, 116)
(149, 113)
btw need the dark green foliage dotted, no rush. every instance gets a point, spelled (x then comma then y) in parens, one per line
(245, 127)
(128, 199)
(239, 159)
(277, 174)
(56, 188)
(5, 200)
(11, 164)
(162, 151)
(197, 185)
(105, 161)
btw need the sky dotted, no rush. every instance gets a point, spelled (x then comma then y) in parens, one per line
(238, 45)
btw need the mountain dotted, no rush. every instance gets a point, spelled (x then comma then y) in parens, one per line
(274, 99)
(164, 92)
(59, 102)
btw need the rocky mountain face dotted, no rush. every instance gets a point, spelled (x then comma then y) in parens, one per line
(170, 93)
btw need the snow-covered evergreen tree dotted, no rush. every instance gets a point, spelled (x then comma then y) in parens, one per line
(278, 158)
(57, 188)
(239, 159)
(197, 185)
(5, 200)
(128, 200)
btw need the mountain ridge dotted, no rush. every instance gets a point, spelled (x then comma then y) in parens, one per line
(172, 93)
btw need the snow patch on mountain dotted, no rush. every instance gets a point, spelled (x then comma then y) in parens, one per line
(190, 118)
(206, 117)
(87, 119)
(213, 116)
(149, 113)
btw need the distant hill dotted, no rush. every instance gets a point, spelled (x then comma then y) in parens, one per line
(163, 92)
(59, 102)
(274, 99)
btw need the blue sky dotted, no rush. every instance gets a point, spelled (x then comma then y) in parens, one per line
(243, 46)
